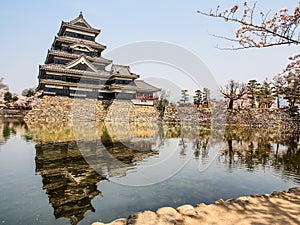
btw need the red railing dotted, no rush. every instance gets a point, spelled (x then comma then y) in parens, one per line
(146, 98)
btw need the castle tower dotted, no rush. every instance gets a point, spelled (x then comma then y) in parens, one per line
(74, 67)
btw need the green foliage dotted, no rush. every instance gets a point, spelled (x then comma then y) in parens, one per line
(202, 97)
(265, 95)
(184, 96)
(206, 97)
(14, 98)
(29, 92)
(252, 88)
(292, 92)
(7, 96)
(198, 97)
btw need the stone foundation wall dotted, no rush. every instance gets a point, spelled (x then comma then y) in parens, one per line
(65, 109)
(125, 111)
(50, 109)
(255, 117)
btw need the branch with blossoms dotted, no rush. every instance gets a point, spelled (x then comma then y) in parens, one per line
(288, 82)
(280, 29)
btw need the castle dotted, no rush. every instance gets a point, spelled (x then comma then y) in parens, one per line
(74, 67)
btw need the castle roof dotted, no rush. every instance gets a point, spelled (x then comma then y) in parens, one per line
(145, 87)
(136, 85)
(72, 40)
(122, 71)
(78, 23)
(62, 69)
(72, 56)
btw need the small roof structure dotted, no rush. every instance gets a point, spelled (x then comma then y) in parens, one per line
(145, 87)
(122, 71)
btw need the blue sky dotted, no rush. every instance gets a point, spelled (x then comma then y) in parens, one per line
(29, 27)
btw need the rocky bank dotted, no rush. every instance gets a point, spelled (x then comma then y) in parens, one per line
(244, 116)
(63, 109)
(49, 109)
(280, 207)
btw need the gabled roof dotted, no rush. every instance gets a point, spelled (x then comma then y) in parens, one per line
(78, 23)
(144, 86)
(72, 40)
(82, 47)
(62, 69)
(122, 71)
(73, 56)
(80, 19)
(82, 60)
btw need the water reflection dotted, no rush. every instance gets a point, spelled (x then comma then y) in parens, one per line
(10, 127)
(74, 159)
(71, 170)
(67, 178)
(255, 147)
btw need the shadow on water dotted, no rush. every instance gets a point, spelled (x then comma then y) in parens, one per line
(72, 168)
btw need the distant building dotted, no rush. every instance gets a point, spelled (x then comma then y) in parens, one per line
(74, 67)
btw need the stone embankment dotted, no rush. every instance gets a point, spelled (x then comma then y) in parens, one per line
(64, 109)
(126, 111)
(280, 207)
(255, 117)
(51, 109)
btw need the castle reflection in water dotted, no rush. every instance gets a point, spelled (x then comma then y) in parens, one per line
(73, 159)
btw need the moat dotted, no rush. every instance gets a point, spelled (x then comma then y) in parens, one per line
(85, 172)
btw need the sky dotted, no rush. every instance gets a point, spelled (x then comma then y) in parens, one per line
(28, 29)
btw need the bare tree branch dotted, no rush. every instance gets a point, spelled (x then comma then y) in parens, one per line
(280, 29)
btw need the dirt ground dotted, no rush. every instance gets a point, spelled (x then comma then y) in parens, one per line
(280, 208)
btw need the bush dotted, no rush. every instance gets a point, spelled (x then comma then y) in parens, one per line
(28, 92)
(7, 96)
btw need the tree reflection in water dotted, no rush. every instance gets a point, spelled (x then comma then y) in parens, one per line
(266, 147)
(72, 168)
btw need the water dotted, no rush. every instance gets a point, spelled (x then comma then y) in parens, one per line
(86, 172)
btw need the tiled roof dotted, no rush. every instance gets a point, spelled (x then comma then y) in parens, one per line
(122, 71)
(74, 56)
(143, 86)
(72, 40)
(61, 68)
(73, 24)
(137, 85)
(64, 83)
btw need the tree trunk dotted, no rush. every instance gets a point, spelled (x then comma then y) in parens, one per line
(230, 106)
(230, 151)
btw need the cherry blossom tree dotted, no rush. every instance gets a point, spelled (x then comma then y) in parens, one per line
(233, 91)
(258, 28)
(291, 81)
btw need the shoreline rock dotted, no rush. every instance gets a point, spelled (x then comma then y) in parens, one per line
(280, 207)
